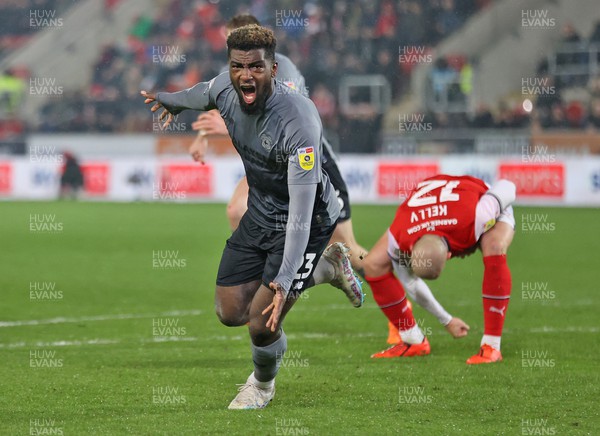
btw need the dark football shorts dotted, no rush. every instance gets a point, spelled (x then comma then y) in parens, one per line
(341, 190)
(255, 253)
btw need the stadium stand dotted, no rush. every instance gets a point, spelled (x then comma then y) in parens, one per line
(181, 43)
(17, 27)
(325, 41)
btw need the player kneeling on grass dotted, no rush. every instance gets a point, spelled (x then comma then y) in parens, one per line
(445, 217)
(275, 253)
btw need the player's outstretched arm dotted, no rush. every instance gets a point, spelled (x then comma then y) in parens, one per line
(200, 97)
(165, 114)
(420, 292)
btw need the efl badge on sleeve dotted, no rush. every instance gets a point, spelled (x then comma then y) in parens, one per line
(491, 223)
(306, 157)
(290, 84)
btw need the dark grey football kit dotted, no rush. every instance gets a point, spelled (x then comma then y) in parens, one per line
(292, 206)
(291, 76)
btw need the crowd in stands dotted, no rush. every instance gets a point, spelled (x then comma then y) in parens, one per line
(550, 111)
(184, 43)
(19, 22)
(575, 102)
(568, 95)
(20, 19)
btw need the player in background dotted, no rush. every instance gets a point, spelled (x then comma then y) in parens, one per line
(264, 267)
(444, 217)
(211, 123)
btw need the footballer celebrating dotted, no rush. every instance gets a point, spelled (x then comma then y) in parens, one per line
(263, 269)
(444, 217)
(211, 123)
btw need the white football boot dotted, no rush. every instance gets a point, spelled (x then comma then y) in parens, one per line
(345, 279)
(252, 397)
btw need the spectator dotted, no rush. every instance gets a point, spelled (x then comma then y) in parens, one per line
(556, 118)
(387, 66)
(413, 30)
(595, 36)
(569, 35)
(466, 79)
(71, 179)
(354, 36)
(575, 115)
(551, 94)
(12, 89)
(387, 21)
(573, 57)
(594, 86)
(442, 77)
(594, 118)
(324, 100)
(483, 118)
(505, 118)
(447, 20)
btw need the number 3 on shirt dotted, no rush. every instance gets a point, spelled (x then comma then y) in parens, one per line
(307, 266)
(446, 194)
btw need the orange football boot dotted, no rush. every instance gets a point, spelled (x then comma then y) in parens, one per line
(487, 354)
(393, 333)
(405, 350)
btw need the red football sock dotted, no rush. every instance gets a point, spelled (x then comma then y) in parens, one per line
(497, 284)
(391, 299)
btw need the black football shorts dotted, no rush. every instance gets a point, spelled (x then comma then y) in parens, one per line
(341, 190)
(255, 253)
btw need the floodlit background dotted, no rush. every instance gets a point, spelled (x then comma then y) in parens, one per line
(416, 85)
(106, 320)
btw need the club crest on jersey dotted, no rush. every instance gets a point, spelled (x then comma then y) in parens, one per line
(306, 157)
(266, 141)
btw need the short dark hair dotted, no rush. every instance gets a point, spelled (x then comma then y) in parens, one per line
(241, 20)
(252, 37)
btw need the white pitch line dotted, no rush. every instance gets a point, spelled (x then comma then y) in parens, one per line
(292, 336)
(163, 339)
(569, 329)
(171, 339)
(60, 343)
(64, 320)
(195, 312)
(121, 316)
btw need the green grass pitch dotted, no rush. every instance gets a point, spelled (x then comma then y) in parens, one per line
(98, 335)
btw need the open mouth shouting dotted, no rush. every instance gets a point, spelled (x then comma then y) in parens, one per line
(248, 93)
(252, 100)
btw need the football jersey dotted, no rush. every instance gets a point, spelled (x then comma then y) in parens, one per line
(441, 205)
(290, 76)
(279, 147)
